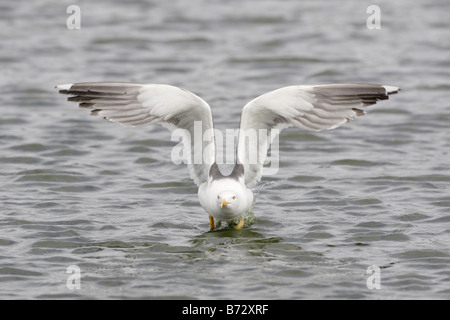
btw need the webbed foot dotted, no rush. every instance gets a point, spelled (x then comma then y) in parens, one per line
(240, 225)
(211, 223)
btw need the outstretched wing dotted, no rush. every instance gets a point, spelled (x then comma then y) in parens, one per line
(316, 108)
(138, 105)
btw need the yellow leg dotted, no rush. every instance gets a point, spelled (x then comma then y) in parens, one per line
(211, 223)
(240, 225)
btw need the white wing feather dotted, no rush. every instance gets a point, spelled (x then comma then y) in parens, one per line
(138, 105)
(316, 108)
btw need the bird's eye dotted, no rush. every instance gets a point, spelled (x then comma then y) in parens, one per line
(234, 197)
(218, 197)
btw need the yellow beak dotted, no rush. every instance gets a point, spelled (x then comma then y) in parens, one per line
(224, 203)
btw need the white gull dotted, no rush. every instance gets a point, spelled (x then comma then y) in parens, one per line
(310, 107)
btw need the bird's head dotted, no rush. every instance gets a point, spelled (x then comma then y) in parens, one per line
(227, 199)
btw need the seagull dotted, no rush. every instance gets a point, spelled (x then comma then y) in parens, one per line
(227, 197)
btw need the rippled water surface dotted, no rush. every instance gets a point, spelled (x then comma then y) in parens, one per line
(77, 190)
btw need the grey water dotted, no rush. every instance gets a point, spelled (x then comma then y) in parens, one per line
(79, 191)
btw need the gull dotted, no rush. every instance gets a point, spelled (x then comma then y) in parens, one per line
(225, 198)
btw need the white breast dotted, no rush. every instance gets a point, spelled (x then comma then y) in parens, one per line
(208, 192)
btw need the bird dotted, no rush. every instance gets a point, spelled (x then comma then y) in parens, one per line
(227, 197)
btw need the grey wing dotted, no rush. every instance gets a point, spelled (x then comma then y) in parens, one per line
(316, 108)
(146, 104)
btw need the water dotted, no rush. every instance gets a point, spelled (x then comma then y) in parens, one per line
(77, 190)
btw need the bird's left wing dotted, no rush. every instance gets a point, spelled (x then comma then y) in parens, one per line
(138, 105)
(316, 108)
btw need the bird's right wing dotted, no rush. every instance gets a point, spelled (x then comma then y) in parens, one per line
(138, 105)
(316, 108)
